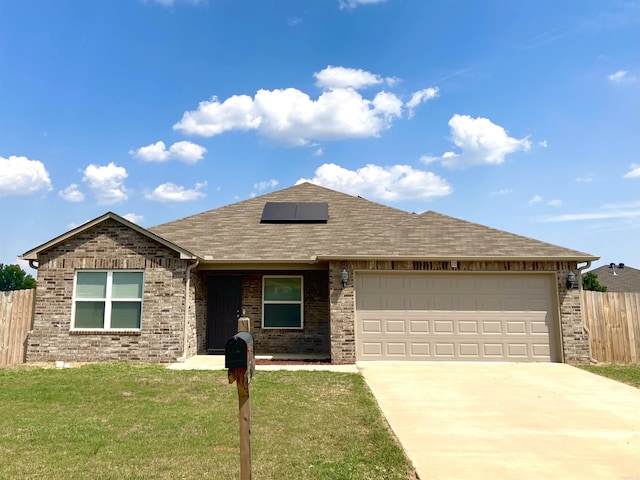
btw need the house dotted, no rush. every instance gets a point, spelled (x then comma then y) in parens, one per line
(317, 272)
(618, 277)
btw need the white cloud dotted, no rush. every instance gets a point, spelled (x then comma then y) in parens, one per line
(293, 21)
(543, 144)
(555, 202)
(622, 210)
(156, 152)
(504, 191)
(170, 192)
(634, 172)
(343, 77)
(394, 183)
(586, 179)
(187, 152)
(482, 143)
(133, 217)
(535, 199)
(262, 186)
(388, 105)
(421, 96)
(107, 182)
(355, 3)
(622, 76)
(170, 3)
(618, 76)
(292, 118)
(21, 176)
(72, 193)
(319, 152)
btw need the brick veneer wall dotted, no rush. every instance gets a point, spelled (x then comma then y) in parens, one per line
(575, 340)
(109, 246)
(312, 339)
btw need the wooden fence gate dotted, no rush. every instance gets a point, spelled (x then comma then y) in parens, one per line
(16, 319)
(614, 322)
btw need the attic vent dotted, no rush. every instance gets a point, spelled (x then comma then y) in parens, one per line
(295, 212)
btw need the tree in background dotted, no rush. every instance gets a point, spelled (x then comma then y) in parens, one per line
(590, 282)
(12, 277)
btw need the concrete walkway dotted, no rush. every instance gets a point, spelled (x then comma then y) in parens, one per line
(509, 421)
(216, 362)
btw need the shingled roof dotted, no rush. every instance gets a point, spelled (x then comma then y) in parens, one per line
(356, 228)
(626, 279)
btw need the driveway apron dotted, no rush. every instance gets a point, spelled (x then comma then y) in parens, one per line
(509, 420)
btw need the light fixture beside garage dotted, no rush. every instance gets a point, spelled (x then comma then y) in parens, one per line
(571, 280)
(345, 277)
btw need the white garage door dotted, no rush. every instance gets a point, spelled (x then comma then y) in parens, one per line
(456, 316)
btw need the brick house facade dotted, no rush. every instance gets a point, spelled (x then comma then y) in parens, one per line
(109, 246)
(177, 265)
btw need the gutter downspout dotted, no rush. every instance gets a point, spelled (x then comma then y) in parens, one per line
(185, 345)
(584, 325)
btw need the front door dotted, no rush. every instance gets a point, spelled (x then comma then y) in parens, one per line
(224, 308)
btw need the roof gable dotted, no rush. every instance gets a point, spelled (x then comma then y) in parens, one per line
(235, 232)
(33, 253)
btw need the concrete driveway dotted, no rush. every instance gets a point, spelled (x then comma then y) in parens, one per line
(520, 421)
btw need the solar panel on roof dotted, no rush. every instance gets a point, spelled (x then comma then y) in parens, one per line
(278, 212)
(295, 212)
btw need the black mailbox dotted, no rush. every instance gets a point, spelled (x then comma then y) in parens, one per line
(238, 352)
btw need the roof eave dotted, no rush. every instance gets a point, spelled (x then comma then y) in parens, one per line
(459, 258)
(209, 259)
(35, 252)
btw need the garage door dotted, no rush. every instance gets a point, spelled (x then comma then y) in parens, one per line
(456, 316)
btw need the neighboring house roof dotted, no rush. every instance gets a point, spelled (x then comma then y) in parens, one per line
(626, 279)
(33, 254)
(356, 228)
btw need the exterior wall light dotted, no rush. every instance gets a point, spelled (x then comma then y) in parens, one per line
(571, 280)
(345, 277)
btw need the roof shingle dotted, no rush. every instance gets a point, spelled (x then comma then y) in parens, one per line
(356, 228)
(626, 279)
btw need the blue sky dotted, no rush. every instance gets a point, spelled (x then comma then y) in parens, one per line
(523, 116)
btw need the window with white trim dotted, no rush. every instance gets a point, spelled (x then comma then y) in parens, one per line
(282, 305)
(107, 300)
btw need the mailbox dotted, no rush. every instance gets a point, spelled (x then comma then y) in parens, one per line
(238, 352)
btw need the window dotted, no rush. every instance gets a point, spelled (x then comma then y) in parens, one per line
(107, 300)
(282, 302)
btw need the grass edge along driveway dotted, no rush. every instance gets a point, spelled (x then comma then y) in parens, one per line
(629, 374)
(139, 421)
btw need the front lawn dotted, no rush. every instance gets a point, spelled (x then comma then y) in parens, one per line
(629, 374)
(113, 421)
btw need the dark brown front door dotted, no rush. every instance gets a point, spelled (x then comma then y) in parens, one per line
(224, 309)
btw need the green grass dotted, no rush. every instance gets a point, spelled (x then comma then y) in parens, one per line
(115, 421)
(629, 374)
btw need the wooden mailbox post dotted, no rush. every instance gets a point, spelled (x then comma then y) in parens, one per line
(240, 360)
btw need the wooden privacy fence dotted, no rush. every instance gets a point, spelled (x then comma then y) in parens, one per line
(16, 318)
(614, 322)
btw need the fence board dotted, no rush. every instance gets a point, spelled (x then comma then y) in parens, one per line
(16, 319)
(614, 322)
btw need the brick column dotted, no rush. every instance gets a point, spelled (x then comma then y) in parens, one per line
(341, 314)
